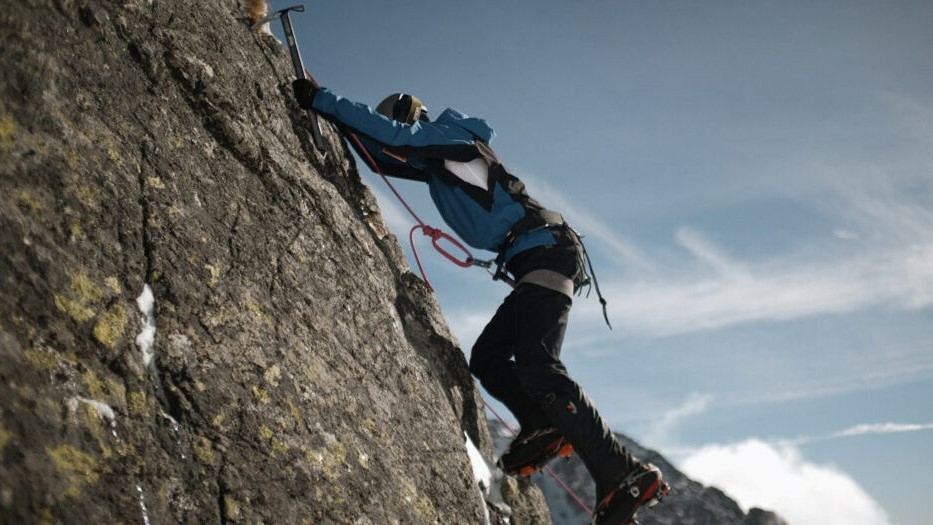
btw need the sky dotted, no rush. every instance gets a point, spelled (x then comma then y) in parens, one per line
(754, 180)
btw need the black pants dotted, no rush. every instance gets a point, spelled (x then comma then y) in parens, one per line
(517, 360)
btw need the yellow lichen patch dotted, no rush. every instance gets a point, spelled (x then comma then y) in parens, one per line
(76, 231)
(272, 375)
(105, 391)
(89, 196)
(5, 437)
(156, 183)
(261, 395)
(215, 275)
(114, 155)
(277, 445)
(256, 311)
(76, 310)
(7, 129)
(71, 158)
(110, 326)
(114, 284)
(41, 359)
(85, 289)
(80, 468)
(296, 414)
(333, 461)
(219, 419)
(231, 507)
(27, 200)
(94, 421)
(265, 432)
(82, 296)
(138, 404)
(204, 451)
(93, 384)
(44, 517)
(420, 503)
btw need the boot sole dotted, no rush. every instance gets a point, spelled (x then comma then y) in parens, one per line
(624, 514)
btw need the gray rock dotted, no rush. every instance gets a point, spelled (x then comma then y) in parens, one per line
(298, 372)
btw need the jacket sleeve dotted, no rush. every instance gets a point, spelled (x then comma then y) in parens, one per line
(365, 120)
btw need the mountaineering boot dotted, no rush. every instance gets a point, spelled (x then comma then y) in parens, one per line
(623, 484)
(643, 486)
(530, 451)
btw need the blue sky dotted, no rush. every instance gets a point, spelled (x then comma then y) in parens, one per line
(755, 183)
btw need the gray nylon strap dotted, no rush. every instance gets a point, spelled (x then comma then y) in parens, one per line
(550, 280)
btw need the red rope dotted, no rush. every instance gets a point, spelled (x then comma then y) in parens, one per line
(567, 489)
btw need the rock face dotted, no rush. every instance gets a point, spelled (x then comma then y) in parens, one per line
(690, 503)
(202, 318)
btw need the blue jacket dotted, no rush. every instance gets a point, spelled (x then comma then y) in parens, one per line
(474, 193)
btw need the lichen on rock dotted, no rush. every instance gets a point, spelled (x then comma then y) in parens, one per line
(261, 381)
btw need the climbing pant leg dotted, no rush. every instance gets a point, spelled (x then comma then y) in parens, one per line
(540, 323)
(491, 363)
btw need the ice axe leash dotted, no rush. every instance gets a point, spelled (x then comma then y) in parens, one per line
(300, 71)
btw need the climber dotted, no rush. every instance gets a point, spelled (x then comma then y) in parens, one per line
(517, 356)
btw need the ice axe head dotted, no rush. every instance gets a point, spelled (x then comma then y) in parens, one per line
(276, 14)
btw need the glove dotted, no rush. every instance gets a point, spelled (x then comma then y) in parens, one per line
(304, 92)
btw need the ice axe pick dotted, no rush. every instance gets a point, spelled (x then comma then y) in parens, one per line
(300, 71)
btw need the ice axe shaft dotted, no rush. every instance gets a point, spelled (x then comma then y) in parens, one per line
(300, 71)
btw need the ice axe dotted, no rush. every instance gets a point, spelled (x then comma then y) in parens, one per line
(300, 71)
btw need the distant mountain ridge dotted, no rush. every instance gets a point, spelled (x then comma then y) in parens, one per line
(690, 502)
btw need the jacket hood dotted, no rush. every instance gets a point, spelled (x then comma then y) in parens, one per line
(476, 126)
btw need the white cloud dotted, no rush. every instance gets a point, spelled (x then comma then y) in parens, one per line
(662, 429)
(779, 478)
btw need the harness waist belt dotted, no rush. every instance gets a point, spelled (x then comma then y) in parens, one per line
(532, 222)
(551, 280)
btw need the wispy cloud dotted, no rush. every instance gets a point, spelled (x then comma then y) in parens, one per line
(900, 279)
(896, 271)
(664, 428)
(864, 429)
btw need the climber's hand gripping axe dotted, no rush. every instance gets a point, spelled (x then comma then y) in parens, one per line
(300, 71)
